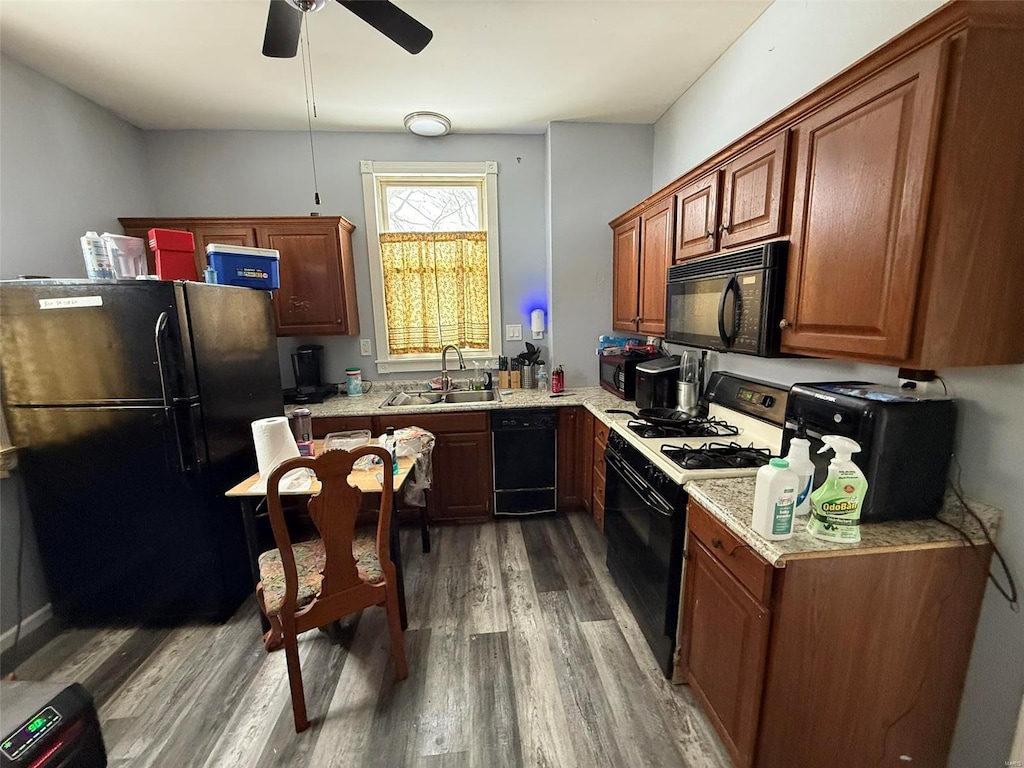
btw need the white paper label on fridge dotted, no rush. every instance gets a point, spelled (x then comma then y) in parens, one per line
(69, 302)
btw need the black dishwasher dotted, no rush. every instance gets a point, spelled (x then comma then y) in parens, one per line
(523, 443)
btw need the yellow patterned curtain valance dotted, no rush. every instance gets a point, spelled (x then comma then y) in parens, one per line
(435, 290)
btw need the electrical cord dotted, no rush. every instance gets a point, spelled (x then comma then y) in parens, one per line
(1009, 591)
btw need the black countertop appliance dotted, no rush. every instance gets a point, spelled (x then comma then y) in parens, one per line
(906, 441)
(656, 382)
(131, 404)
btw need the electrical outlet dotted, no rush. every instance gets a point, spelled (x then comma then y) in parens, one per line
(514, 332)
(365, 349)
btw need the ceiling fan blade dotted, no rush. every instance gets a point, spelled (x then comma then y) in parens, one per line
(391, 21)
(284, 21)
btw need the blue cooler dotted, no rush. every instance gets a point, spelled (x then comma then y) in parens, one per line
(245, 267)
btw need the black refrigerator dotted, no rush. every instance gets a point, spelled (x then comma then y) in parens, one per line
(130, 403)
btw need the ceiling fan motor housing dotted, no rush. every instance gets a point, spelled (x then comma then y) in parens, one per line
(307, 6)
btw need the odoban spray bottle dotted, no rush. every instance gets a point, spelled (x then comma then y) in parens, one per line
(835, 506)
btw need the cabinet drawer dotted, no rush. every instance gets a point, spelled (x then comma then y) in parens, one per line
(600, 434)
(323, 425)
(439, 423)
(749, 568)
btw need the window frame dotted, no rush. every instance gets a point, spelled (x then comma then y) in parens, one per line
(371, 171)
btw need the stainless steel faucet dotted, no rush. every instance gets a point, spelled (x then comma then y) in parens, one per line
(446, 383)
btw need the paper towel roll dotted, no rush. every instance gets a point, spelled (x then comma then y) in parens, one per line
(274, 444)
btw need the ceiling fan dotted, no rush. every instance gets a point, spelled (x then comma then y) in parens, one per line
(284, 22)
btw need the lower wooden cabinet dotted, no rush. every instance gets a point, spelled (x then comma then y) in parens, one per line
(462, 489)
(835, 659)
(597, 472)
(725, 654)
(587, 459)
(574, 445)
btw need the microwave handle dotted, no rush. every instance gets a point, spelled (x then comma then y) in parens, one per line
(729, 286)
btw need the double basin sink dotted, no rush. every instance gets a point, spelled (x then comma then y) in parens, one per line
(433, 398)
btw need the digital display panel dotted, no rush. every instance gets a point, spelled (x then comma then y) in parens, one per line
(19, 742)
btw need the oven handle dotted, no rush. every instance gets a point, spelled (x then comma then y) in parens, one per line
(638, 486)
(730, 285)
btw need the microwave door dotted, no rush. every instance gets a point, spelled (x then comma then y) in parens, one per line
(702, 313)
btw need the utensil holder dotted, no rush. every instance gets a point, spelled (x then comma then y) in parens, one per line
(529, 377)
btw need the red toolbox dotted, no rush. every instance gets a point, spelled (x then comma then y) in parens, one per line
(175, 254)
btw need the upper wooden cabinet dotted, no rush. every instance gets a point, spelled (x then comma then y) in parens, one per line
(642, 252)
(317, 296)
(697, 218)
(861, 178)
(897, 185)
(625, 275)
(656, 243)
(753, 188)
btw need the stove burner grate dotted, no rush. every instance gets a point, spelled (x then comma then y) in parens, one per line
(718, 456)
(694, 427)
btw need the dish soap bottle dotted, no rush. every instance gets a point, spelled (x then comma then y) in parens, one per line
(775, 500)
(391, 447)
(835, 506)
(800, 462)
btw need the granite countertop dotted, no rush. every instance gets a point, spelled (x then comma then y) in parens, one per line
(595, 399)
(732, 502)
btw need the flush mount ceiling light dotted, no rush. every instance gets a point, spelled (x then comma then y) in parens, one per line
(427, 124)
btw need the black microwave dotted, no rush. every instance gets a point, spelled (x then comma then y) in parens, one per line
(618, 374)
(731, 302)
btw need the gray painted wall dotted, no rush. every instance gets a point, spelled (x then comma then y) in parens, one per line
(595, 172)
(68, 166)
(788, 51)
(267, 173)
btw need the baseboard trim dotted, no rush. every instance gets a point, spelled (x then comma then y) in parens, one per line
(28, 625)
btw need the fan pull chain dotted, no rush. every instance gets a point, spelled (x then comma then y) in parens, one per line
(309, 119)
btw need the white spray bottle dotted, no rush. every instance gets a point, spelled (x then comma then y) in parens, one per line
(800, 462)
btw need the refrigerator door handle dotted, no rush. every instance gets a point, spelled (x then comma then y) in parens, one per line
(158, 333)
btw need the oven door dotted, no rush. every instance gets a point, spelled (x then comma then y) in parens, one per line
(645, 538)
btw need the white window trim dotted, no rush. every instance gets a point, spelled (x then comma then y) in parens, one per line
(372, 168)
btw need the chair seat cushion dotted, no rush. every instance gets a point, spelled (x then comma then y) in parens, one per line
(310, 559)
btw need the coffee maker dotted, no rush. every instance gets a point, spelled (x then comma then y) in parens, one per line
(307, 365)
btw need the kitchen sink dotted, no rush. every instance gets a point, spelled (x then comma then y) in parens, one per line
(412, 398)
(478, 396)
(432, 398)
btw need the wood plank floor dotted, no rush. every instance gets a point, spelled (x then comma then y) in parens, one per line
(521, 653)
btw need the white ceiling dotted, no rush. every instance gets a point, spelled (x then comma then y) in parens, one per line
(493, 66)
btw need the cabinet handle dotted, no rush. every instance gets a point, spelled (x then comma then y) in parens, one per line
(725, 227)
(716, 543)
(709, 234)
(783, 323)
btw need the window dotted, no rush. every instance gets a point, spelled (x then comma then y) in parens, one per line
(432, 241)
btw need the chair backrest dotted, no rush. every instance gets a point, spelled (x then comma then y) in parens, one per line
(333, 511)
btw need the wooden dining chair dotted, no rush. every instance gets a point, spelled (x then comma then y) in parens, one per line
(312, 584)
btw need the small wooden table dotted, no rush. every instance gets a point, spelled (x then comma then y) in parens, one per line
(363, 479)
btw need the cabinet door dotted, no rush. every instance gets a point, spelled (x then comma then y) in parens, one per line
(569, 457)
(863, 170)
(311, 300)
(626, 275)
(586, 440)
(752, 192)
(225, 235)
(461, 488)
(697, 218)
(655, 256)
(725, 644)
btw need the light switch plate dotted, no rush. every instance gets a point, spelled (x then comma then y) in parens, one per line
(514, 332)
(364, 348)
